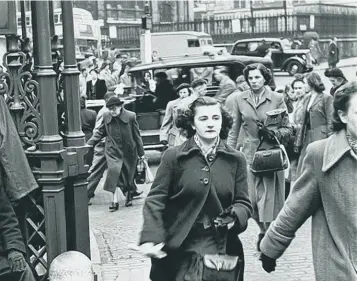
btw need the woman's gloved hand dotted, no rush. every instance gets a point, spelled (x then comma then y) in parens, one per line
(17, 261)
(266, 134)
(268, 264)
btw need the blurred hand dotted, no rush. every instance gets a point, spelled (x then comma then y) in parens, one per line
(164, 142)
(150, 250)
(268, 264)
(17, 261)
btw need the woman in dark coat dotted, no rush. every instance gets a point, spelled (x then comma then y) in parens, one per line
(194, 184)
(314, 119)
(123, 145)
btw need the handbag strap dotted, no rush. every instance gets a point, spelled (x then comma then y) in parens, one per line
(262, 140)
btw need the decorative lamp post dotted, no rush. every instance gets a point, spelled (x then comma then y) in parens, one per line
(146, 24)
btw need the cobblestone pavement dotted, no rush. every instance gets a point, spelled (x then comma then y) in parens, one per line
(114, 231)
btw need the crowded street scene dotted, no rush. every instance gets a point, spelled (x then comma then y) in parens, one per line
(188, 140)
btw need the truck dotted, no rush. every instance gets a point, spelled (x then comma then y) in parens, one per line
(178, 44)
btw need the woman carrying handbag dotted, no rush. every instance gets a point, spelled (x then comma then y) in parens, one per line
(198, 203)
(266, 190)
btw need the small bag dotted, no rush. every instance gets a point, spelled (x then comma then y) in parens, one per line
(220, 267)
(149, 176)
(269, 160)
(140, 173)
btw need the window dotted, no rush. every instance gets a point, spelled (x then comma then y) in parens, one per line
(239, 4)
(203, 42)
(252, 46)
(19, 21)
(209, 42)
(28, 21)
(56, 18)
(239, 48)
(193, 43)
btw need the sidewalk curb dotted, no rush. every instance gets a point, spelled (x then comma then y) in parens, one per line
(95, 256)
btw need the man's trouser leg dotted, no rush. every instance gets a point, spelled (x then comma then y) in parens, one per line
(97, 169)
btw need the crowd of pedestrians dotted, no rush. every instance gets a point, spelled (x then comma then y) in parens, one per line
(206, 188)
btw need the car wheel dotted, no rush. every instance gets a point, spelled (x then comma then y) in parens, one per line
(294, 67)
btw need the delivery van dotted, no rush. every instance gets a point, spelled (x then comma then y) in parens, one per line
(178, 44)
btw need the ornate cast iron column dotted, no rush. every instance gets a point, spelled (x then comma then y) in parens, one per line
(51, 156)
(74, 140)
(22, 93)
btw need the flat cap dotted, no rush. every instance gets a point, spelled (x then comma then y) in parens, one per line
(114, 101)
(198, 82)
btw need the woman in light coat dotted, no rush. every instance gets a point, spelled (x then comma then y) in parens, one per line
(169, 133)
(326, 190)
(267, 192)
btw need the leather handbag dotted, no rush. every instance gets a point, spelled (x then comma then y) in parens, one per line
(221, 267)
(269, 160)
(140, 173)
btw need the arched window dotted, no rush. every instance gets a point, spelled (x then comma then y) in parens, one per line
(166, 14)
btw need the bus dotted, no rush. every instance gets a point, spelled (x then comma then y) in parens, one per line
(86, 30)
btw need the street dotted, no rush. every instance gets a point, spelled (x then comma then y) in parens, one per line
(113, 233)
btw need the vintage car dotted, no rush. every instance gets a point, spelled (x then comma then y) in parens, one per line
(141, 100)
(284, 57)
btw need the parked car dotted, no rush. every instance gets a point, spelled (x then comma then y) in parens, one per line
(150, 121)
(284, 57)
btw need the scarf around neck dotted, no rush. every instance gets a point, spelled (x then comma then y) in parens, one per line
(211, 150)
(352, 142)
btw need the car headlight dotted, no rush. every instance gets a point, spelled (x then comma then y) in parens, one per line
(304, 57)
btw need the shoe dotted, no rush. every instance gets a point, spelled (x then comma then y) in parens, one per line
(129, 201)
(136, 193)
(260, 238)
(113, 207)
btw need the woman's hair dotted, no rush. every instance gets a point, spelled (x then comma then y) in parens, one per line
(342, 102)
(147, 72)
(315, 82)
(185, 118)
(295, 81)
(263, 70)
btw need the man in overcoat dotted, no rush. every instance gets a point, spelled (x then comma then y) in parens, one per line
(123, 145)
(13, 266)
(226, 85)
(333, 53)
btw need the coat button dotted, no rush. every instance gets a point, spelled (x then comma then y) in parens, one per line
(205, 181)
(210, 158)
(206, 169)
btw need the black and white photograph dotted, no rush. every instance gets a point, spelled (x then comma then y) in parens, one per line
(178, 140)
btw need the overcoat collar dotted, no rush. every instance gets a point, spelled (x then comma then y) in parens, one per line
(123, 116)
(190, 146)
(337, 146)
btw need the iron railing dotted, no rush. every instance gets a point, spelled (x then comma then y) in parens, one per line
(230, 30)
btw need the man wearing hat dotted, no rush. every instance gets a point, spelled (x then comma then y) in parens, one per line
(337, 78)
(123, 146)
(169, 133)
